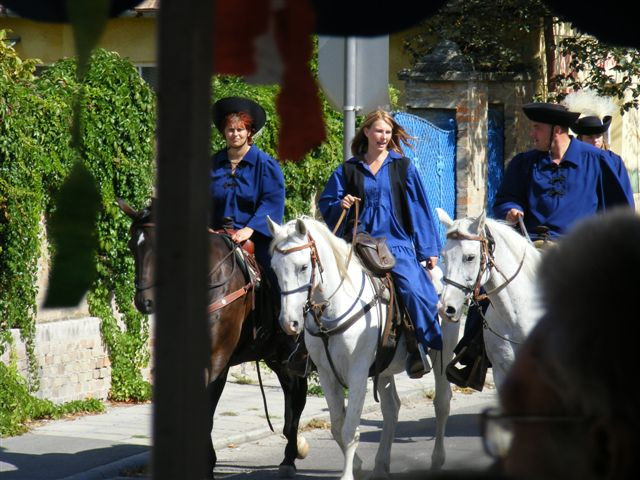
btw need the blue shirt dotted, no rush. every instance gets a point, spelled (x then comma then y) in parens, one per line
(558, 195)
(378, 216)
(253, 191)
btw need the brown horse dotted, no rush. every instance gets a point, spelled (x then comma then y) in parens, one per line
(238, 332)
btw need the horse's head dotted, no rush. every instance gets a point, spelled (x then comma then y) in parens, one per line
(292, 260)
(142, 245)
(464, 260)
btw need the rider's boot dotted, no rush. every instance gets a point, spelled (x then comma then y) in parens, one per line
(417, 364)
(473, 362)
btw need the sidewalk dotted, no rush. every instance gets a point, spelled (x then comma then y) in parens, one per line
(101, 446)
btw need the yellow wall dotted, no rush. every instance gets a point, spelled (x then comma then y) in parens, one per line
(134, 38)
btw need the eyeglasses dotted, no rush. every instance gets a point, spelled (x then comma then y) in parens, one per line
(497, 428)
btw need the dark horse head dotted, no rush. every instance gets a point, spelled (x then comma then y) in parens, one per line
(142, 243)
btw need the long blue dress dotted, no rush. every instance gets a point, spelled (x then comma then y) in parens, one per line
(378, 218)
(586, 181)
(253, 191)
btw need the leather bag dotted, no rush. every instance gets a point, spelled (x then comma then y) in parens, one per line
(374, 254)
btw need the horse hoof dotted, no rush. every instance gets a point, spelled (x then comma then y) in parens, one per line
(286, 471)
(303, 447)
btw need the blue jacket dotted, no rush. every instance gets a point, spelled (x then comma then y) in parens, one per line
(255, 190)
(586, 181)
(378, 216)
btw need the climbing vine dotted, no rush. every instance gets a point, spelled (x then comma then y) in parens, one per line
(117, 125)
(117, 129)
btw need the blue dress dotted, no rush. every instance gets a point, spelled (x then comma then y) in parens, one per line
(253, 191)
(586, 181)
(378, 218)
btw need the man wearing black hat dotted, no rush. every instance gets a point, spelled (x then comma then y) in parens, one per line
(590, 129)
(561, 180)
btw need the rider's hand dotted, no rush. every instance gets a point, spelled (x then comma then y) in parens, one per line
(242, 235)
(513, 214)
(348, 201)
(431, 262)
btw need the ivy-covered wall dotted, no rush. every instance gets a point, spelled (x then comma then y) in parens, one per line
(117, 126)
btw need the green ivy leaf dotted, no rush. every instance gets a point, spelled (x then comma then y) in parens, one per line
(72, 232)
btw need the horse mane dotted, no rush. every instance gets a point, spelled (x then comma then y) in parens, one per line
(511, 239)
(338, 246)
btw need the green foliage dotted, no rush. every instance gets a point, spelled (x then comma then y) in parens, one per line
(305, 178)
(17, 406)
(609, 70)
(493, 35)
(116, 127)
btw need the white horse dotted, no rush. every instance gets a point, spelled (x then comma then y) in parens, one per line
(314, 274)
(481, 252)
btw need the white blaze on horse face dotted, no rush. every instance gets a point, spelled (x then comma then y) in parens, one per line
(462, 264)
(141, 239)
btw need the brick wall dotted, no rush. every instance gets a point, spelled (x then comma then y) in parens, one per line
(72, 362)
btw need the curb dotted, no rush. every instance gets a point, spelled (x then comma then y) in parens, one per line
(111, 471)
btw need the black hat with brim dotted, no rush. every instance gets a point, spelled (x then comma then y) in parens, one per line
(591, 125)
(228, 105)
(550, 113)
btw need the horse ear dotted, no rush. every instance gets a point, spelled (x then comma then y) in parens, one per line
(126, 208)
(301, 228)
(478, 223)
(444, 217)
(274, 228)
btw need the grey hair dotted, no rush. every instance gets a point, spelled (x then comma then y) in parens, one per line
(589, 335)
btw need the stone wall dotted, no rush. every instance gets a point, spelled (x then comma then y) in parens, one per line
(72, 361)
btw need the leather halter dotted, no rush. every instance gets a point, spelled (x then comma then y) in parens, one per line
(218, 304)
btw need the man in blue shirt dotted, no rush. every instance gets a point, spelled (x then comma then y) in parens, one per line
(551, 187)
(561, 180)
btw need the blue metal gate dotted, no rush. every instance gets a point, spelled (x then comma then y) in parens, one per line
(434, 156)
(495, 154)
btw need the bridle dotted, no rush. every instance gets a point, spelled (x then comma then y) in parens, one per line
(487, 263)
(317, 309)
(316, 264)
(218, 304)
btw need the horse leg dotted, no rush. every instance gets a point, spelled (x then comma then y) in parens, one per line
(335, 401)
(350, 431)
(442, 399)
(214, 391)
(295, 398)
(390, 406)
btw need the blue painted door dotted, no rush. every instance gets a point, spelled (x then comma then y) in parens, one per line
(495, 154)
(434, 156)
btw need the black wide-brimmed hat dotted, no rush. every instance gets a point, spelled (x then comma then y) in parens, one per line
(550, 113)
(591, 125)
(227, 105)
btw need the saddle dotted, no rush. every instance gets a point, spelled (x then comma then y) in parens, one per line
(397, 324)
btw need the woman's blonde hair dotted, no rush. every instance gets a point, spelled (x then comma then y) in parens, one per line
(360, 143)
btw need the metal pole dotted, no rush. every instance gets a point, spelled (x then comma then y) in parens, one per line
(349, 95)
(185, 61)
